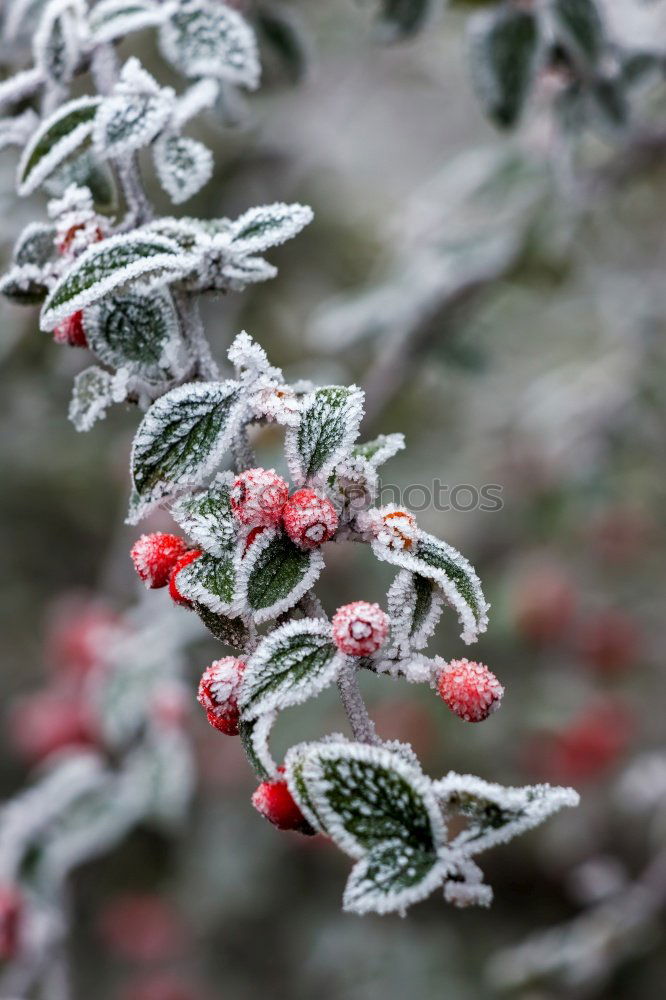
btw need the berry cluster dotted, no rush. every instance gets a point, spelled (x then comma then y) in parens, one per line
(260, 499)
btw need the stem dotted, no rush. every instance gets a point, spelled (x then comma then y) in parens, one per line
(187, 307)
(243, 452)
(362, 726)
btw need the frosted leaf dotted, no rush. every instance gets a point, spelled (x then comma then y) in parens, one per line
(292, 664)
(414, 606)
(380, 809)
(91, 397)
(274, 574)
(188, 234)
(163, 769)
(60, 135)
(238, 274)
(35, 245)
(392, 876)
(207, 517)
(112, 19)
(254, 734)
(182, 165)
(119, 260)
(210, 581)
(20, 86)
(465, 886)
(20, 18)
(415, 668)
(496, 814)
(134, 114)
(380, 449)
(201, 96)
(275, 402)
(445, 566)
(137, 329)
(17, 130)
(234, 632)
(25, 285)
(267, 226)
(58, 40)
(182, 438)
(250, 359)
(329, 423)
(353, 488)
(205, 39)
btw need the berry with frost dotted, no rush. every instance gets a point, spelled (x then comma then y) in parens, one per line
(258, 497)
(181, 563)
(252, 535)
(393, 526)
(359, 629)
(155, 555)
(11, 914)
(218, 693)
(309, 520)
(470, 690)
(71, 331)
(275, 803)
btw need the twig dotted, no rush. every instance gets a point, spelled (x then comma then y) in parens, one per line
(362, 726)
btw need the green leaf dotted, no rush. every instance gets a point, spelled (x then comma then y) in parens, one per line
(182, 438)
(24, 285)
(57, 44)
(580, 27)
(437, 561)
(275, 574)
(414, 607)
(137, 330)
(610, 102)
(328, 426)
(57, 138)
(246, 731)
(209, 581)
(183, 166)
(294, 663)
(202, 39)
(503, 55)
(105, 266)
(208, 519)
(35, 245)
(231, 631)
(391, 877)
(268, 226)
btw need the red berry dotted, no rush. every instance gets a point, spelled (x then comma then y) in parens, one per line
(218, 693)
(71, 331)
(258, 496)
(309, 520)
(77, 233)
(609, 641)
(181, 563)
(275, 803)
(470, 690)
(359, 629)
(251, 537)
(11, 915)
(154, 556)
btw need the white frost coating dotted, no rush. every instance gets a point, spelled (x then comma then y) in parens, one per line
(415, 668)
(113, 19)
(384, 446)
(355, 487)
(162, 415)
(21, 85)
(468, 887)
(207, 528)
(59, 150)
(314, 441)
(525, 808)
(267, 226)
(318, 787)
(182, 165)
(201, 96)
(204, 39)
(245, 271)
(191, 584)
(406, 635)
(245, 565)
(167, 260)
(59, 38)
(137, 110)
(362, 896)
(261, 732)
(473, 623)
(278, 657)
(91, 397)
(17, 130)
(250, 360)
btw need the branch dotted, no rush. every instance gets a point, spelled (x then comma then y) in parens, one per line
(362, 726)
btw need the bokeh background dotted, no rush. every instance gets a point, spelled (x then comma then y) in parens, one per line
(544, 377)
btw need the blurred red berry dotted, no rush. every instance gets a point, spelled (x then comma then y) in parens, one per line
(470, 690)
(258, 497)
(77, 234)
(77, 634)
(71, 331)
(360, 628)
(218, 693)
(609, 641)
(621, 534)
(592, 743)
(275, 803)
(161, 986)
(142, 927)
(11, 918)
(155, 555)
(543, 605)
(181, 563)
(44, 723)
(309, 520)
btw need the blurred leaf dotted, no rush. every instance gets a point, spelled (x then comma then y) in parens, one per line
(283, 33)
(503, 50)
(581, 27)
(402, 18)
